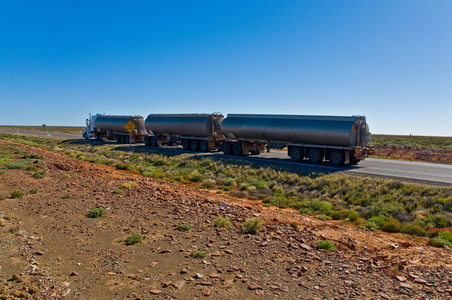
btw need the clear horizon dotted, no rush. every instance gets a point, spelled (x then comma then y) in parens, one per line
(387, 60)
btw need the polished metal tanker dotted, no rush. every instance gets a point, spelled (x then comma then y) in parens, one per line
(118, 123)
(297, 129)
(196, 125)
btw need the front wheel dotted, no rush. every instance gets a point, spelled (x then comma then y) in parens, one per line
(337, 158)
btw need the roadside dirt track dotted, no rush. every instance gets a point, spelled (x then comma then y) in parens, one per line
(50, 248)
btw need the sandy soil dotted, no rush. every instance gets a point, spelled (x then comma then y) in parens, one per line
(439, 156)
(50, 248)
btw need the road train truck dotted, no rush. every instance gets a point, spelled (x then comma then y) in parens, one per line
(316, 138)
(115, 128)
(196, 132)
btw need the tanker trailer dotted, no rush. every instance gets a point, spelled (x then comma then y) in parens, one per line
(114, 128)
(317, 138)
(196, 132)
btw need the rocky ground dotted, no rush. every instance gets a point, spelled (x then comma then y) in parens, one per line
(439, 156)
(50, 248)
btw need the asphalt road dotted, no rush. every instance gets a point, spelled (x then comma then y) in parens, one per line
(427, 173)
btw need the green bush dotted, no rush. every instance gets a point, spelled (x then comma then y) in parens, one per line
(16, 194)
(324, 217)
(33, 191)
(208, 184)
(128, 185)
(327, 245)
(97, 212)
(222, 222)
(198, 254)
(377, 221)
(40, 174)
(183, 227)
(439, 242)
(343, 214)
(252, 225)
(134, 238)
(414, 229)
(118, 191)
(392, 225)
(195, 176)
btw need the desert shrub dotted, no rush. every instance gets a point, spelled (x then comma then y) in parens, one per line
(323, 206)
(97, 212)
(2, 172)
(222, 222)
(237, 194)
(122, 166)
(392, 225)
(128, 185)
(253, 225)
(414, 229)
(343, 214)
(225, 188)
(324, 217)
(198, 254)
(40, 174)
(228, 181)
(208, 183)
(446, 234)
(327, 245)
(118, 191)
(195, 176)
(32, 191)
(439, 242)
(377, 221)
(183, 227)
(16, 166)
(436, 221)
(16, 194)
(134, 238)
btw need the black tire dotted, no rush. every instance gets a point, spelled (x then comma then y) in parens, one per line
(127, 139)
(204, 146)
(194, 145)
(296, 153)
(337, 158)
(99, 137)
(237, 149)
(153, 142)
(118, 139)
(85, 136)
(146, 141)
(315, 156)
(185, 145)
(354, 161)
(227, 148)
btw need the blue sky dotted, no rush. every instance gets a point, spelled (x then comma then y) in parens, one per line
(388, 60)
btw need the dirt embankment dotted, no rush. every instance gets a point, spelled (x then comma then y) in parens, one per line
(438, 156)
(50, 248)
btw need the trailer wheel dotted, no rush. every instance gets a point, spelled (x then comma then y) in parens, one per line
(296, 154)
(237, 149)
(85, 136)
(154, 142)
(315, 156)
(204, 146)
(127, 139)
(227, 148)
(185, 145)
(118, 139)
(194, 145)
(337, 158)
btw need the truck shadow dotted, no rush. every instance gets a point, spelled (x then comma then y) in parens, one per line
(277, 159)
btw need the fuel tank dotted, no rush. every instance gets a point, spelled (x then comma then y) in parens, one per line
(341, 131)
(117, 123)
(197, 125)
